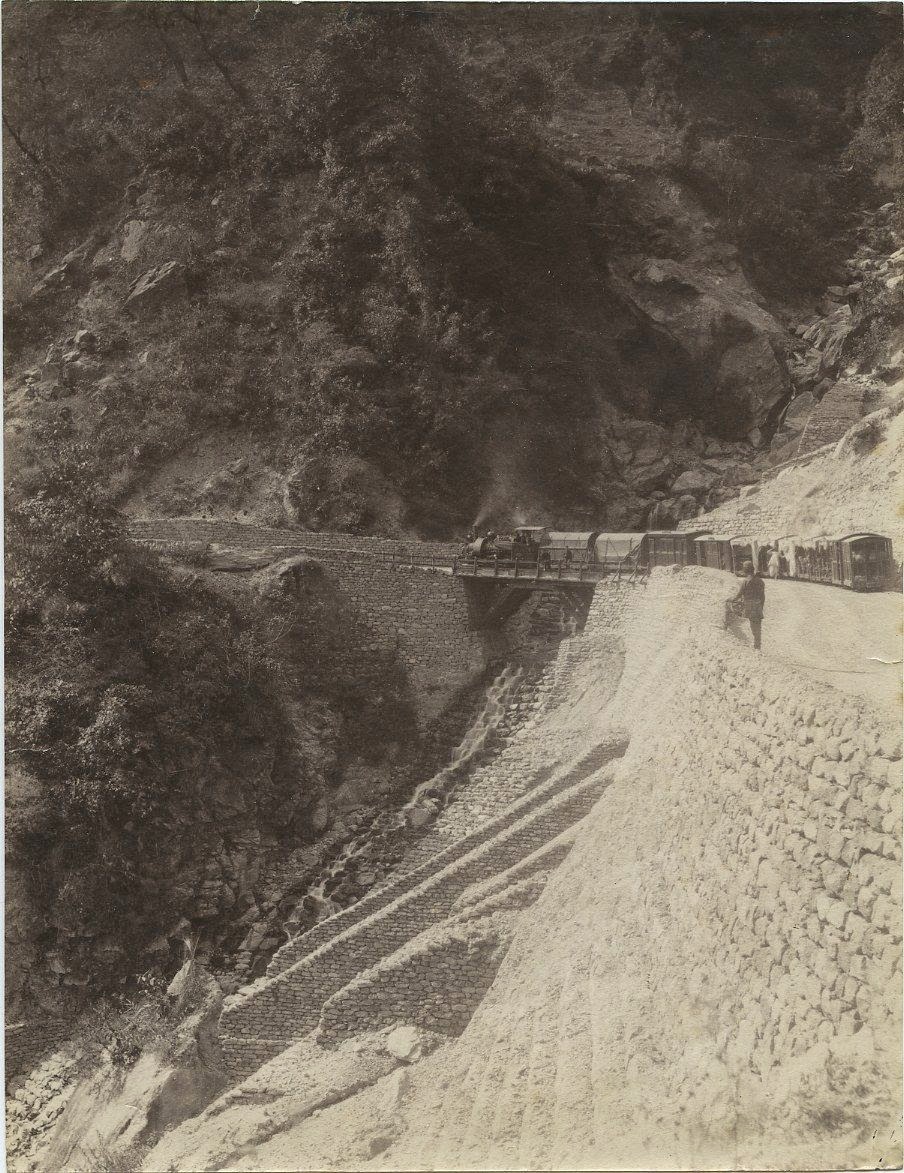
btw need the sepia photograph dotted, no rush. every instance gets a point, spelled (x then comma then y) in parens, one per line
(453, 535)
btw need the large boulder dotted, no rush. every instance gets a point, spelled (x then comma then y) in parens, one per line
(646, 477)
(695, 480)
(731, 351)
(686, 507)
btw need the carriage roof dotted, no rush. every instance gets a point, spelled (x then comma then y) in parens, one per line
(619, 543)
(864, 534)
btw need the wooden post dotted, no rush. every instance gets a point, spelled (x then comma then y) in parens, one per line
(516, 566)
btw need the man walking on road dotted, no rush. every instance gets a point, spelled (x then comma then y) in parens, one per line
(752, 596)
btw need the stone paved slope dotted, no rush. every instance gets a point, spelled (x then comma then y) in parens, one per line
(266, 1016)
(720, 983)
(711, 977)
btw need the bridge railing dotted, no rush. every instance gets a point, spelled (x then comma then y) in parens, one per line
(577, 571)
(514, 569)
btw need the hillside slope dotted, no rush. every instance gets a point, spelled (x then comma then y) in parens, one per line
(394, 272)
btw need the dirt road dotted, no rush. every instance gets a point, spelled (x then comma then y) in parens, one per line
(851, 641)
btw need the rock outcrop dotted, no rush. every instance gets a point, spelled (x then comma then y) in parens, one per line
(850, 357)
(153, 287)
(731, 351)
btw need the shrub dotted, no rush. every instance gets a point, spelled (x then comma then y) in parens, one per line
(121, 687)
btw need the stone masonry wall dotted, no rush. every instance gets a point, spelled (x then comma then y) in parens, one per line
(422, 616)
(439, 860)
(742, 982)
(27, 1042)
(402, 590)
(440, 976)
(436, 988)
(777, 830)
(288, 1006)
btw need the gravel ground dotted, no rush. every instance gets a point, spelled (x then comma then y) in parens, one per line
(850, 641)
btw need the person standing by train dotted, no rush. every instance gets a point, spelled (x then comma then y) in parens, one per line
(752, 597)
(775, 563)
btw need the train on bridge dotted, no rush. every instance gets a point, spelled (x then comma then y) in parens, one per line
(858, 561)
(555, 550)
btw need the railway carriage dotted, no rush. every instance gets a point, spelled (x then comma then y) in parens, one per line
(865, 562)
(745, 549)
(575, 548)
(670, 547)
(858, 561)
(618, 551)
(814, 559)
(715, 551)
(595, 548)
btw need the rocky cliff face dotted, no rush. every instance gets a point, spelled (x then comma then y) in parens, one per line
(848, 357)
(694, 198)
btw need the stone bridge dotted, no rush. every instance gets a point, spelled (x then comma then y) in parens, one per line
(446, 622)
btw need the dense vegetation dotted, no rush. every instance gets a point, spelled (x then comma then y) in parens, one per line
(124, 691)
(137, 698)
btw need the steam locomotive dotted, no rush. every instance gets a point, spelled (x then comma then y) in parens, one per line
(552, 549)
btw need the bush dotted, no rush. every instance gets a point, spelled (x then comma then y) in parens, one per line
(121, 687)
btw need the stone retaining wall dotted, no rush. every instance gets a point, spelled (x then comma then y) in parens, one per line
(287, 1006)
(774, 833)
(28, 1042)
(721, 986)
(422, 617)
(409, 603)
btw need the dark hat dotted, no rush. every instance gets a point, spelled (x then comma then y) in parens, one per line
(747, 568)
